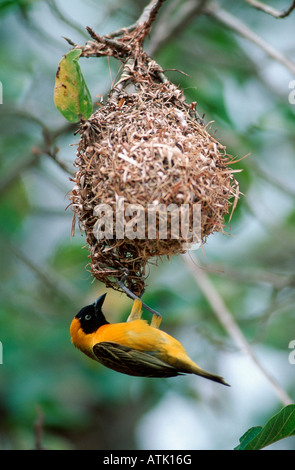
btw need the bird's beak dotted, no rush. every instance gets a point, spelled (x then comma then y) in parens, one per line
(98, 303)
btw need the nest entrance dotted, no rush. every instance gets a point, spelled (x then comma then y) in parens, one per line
(147, 148)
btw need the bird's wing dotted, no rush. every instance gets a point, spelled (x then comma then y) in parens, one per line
(131, 361)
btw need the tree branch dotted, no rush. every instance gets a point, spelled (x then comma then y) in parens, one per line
(65, 19)
(226, 319)
(242, 29)
(38, 429)
(129, 38)
(44, 147)
(149, 14)
(270, 10)
(52, 282)
(171, 27)
(254, 276)
(8, 180)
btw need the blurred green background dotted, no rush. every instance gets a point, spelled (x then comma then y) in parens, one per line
(52, 395)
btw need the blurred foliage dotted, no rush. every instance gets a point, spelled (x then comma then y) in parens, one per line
(44, 276)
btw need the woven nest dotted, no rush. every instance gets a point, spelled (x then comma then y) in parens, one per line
(147, 147)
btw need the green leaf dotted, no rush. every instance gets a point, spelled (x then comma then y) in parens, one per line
(280, 426)
(71, 95)
(248, 437)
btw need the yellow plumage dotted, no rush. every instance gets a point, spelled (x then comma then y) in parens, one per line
(133, 347)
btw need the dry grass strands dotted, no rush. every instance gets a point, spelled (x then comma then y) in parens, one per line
(147, 147)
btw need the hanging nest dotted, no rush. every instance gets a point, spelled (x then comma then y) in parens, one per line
(147, 146)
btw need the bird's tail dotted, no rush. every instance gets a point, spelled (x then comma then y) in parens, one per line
(188, 366)
(195, 369)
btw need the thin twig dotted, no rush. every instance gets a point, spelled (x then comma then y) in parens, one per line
(38, 429)
(25, 163)
(49, 279)
(241, 28)
(108, 46)
(52, 153)
(165, 30)
(134, 297)
(45, 147)
(72, 43)
(254, 276)
(176, 70)
(270, 10)
(108, 42)
(271, 178)
(65, 18)
(122, 31)
(148, 15)
(227, 320)
(150, 12)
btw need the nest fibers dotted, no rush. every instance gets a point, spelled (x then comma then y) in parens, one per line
(138, 154)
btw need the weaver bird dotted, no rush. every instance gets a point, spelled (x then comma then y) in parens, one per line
(133, 347)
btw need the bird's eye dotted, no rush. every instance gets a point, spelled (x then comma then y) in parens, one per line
(87, 317)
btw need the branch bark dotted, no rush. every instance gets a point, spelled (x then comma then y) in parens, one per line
(270, 10)
(242, 29)
(171, 27)
(227, 320)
